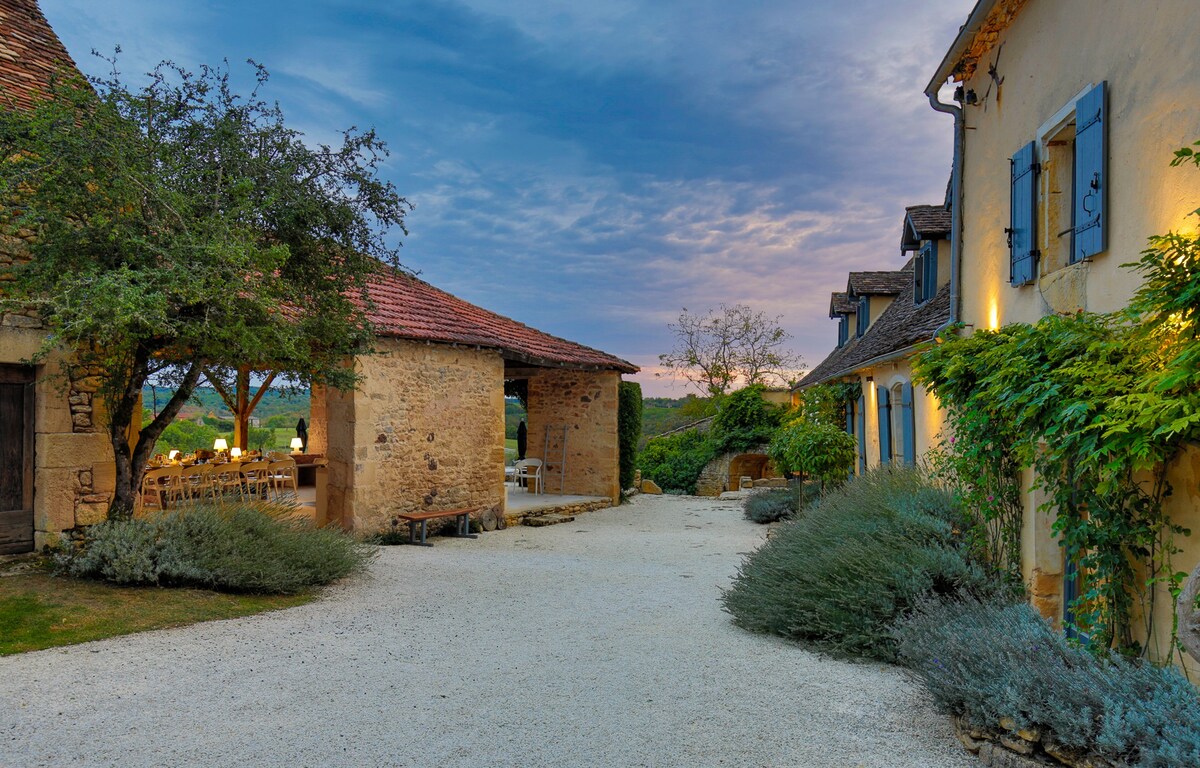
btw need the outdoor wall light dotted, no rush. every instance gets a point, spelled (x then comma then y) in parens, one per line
(220, 444)
(870, 379)
(297, 445)
(235, 452)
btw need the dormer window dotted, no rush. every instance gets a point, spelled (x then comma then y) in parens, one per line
(864, 314)
(925, 270)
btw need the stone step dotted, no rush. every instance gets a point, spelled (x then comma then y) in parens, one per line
(540, 520)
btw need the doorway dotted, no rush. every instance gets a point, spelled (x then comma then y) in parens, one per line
(16, 459)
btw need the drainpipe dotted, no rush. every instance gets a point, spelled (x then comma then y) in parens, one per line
(956, 199)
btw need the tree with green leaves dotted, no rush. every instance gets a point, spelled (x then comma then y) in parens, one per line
(182, 227)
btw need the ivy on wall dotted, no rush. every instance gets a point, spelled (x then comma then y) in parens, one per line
(1098, 405)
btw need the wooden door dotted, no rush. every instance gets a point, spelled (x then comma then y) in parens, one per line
(16, 459)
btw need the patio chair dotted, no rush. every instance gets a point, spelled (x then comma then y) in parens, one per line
(257, 478)
(161, 486)
(529, 471)
(226, 478)
(196, 482)
(283, 477)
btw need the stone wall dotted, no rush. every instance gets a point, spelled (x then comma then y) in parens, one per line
(586, 404)
(723, 473)
(424, 431)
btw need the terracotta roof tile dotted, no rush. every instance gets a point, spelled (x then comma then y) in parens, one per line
(409, 308)
(888, 283)
(30, 53)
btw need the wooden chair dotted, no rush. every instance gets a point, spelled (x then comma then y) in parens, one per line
(225, 478)
(529, 470)
(256, 477)
(196, 482)
(283, 475)
(162, 486)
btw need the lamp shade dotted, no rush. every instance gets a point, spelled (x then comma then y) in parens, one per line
(235, 452)
(297, 445)
(174, 454)
(220, 444)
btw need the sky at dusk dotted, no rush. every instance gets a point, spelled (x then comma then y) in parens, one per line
(590, 168)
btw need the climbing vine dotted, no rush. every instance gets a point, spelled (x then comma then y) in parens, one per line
(1098, 405)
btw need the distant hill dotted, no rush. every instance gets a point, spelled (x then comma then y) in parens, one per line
(205, 400)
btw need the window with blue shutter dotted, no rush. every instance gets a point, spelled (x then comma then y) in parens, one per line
(925, 268)
(885, 426)
(862, 435)
(1022, 229)
(1091, 174)
(919, 277)
(864, 315)
(849, 407)
(908, 425)
(843, 330)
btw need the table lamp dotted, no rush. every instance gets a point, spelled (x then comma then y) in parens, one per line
(297, 445)
(220, 444)
(235, 452)
(173, 455)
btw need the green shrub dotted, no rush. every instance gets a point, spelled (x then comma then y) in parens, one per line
(256, 547)
(775, 504)
(676, 461)
(866, 553)
(629, 429)
(986, 661)
(814, 450)
(744, 420)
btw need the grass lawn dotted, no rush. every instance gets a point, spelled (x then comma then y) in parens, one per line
(38, 610)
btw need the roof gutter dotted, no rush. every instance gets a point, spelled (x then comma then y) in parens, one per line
(956, 204)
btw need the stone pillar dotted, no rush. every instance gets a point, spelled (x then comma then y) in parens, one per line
(318, 421)
(585, 402)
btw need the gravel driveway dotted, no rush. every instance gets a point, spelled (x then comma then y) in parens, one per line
(594, 643)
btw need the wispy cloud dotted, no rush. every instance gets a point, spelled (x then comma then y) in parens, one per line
(591, 168)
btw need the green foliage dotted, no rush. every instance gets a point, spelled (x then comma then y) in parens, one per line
(514, 413)
(865, 554)
(826, 403)
(629, 428)
(186, 436)
(256, 547)
(985, 661)
(675, 461)
(175, 221)
(1098, 405)
(744, 420)
(775, 504)
(814, 450)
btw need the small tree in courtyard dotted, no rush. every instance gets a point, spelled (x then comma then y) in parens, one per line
(813, 450)
(180, 227)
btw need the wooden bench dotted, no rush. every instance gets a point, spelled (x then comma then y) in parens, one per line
(462, 529)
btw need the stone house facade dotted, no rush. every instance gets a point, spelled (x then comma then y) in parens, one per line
(1067, 114)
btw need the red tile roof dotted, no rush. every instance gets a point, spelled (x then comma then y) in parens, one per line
(30, 53)
(408, 308)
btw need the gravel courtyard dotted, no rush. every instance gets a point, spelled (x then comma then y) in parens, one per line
(594, 643)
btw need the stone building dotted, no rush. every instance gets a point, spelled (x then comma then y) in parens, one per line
(424, 431)
(1066, 116)
(884, 318)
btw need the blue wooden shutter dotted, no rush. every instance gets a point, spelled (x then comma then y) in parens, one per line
(885, 426)
(864, 315)
(908, 424)
(843, 330)
(1091, 173)
(1022, 228)
(919, 277)
(862, 435)
(931, 269)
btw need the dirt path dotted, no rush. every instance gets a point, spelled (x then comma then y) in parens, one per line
(594, 643)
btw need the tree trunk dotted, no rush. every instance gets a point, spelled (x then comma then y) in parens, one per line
(131, 464)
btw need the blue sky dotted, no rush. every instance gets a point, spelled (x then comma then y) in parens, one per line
(590, 168)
